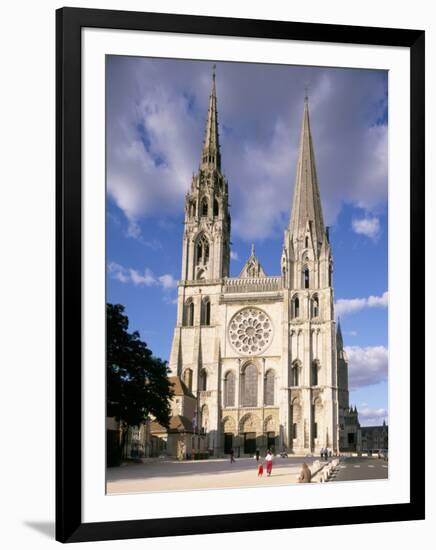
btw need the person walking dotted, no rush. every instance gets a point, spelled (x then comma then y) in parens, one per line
(260, 470)
(232, 456)
(305, 474)
(268, 461)
(321, 452)
(257, 455)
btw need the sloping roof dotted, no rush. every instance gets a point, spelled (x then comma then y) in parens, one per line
(178, 423)
(155, 427)
(179, 387)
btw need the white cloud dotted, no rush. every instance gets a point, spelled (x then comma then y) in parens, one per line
(345, 306)
(147, 279)
(127, 275)
(234, 256)
(372, 416)
(157, 112)
(167, 281)
(366, 365)
(370, 227)
(118, 272)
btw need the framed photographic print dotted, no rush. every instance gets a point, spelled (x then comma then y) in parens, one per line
(240, 225)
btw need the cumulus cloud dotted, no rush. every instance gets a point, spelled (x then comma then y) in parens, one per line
(372, 416)
(146, 278)
(234, 256)
(370, 227)
(345, 306)
(366, 365)
(168, 281)
(156, 117)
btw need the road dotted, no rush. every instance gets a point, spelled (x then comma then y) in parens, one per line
(361, 468)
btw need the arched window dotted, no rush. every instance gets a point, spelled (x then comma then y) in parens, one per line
(314, 373)
(315, 306)
(249, 386)
(269, 388)
(188, 313)
(204, 206)
(295, 307)
(295, 375)
(307, 242)
(229, 390)
(187, 378)
(202, 250)
(203, 380)
(216, 208)
(294, 430)
(205, 312)
(306, 277)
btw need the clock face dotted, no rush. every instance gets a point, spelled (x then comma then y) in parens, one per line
(250, 331)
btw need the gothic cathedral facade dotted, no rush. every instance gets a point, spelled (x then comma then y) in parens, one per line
(259, 353)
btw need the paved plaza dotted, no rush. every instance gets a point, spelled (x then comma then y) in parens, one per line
(169, 475)
(208, 474)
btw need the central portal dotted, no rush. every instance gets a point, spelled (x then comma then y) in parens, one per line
(249, 442)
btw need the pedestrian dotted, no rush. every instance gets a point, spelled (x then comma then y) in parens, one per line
(257, 455)
(321, 452)
(232, 456)
(260, 470)
(268, 461)
(305, 474)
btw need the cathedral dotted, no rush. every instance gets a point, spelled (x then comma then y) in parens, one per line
(259, 356)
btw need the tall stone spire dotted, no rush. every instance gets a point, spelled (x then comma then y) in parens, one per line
(211, 156)
(339, 339)
(306, 203)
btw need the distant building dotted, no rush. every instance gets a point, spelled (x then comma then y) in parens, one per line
(349, 435)
(374, 438)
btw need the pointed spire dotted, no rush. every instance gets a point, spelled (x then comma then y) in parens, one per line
(339, 340)
(253, 253)
(211, 155)
(306, 203)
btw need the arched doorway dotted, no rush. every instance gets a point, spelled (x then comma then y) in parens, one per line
(248, 431)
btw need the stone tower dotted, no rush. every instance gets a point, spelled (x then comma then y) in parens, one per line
(206, 242)
(306, 269)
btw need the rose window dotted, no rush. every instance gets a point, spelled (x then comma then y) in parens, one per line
(250, 331)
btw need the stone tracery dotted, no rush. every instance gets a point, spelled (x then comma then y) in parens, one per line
(250, 331)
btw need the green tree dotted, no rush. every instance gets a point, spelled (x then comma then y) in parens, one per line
(137, 382)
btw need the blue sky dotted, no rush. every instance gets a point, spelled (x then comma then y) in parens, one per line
(156, 113)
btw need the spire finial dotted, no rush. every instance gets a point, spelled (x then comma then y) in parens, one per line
(306, 94)
(211, 150)
(252, 249)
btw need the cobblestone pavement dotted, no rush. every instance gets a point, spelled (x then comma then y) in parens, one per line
(207, 474)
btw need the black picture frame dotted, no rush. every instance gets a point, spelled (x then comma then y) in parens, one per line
(69, 23)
